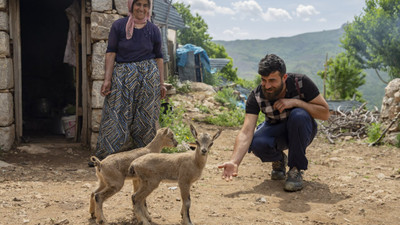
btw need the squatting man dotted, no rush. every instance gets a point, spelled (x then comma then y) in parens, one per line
(291, 103)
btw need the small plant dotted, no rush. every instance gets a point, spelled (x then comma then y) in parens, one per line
(203, 109)
(211, 79)
(397, 141)
(227, 98)
(180, 87)
(173, 118)
(228, 118)
(184, 88)
(374, 132)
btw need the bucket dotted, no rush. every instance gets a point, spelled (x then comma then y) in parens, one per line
(69, 124)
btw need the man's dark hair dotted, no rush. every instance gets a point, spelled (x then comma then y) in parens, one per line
(271, 63)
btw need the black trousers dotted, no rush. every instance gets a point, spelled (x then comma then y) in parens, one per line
(295, 134)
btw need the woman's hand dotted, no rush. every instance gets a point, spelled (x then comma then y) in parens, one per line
(163, 91)
(105, 88)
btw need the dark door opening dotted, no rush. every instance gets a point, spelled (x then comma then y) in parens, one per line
(48, 84)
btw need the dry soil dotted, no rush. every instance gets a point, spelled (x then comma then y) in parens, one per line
(346, 183)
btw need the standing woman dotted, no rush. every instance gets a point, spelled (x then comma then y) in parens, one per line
(133, 82)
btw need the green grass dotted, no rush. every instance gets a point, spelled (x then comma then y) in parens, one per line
(174, 120)
(374, 132)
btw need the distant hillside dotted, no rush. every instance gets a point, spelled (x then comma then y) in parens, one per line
(304, 53)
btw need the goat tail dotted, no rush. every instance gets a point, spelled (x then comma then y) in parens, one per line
(95, 161)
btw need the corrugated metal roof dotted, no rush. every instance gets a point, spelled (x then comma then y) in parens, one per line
(218, 63)
(160, 11)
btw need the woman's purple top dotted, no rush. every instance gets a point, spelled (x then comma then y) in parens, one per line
(144, 44)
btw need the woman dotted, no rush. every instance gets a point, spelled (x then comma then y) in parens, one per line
(133, 82)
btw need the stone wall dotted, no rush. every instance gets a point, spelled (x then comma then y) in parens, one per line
(102, 16)
(7, 127)
(390, 108)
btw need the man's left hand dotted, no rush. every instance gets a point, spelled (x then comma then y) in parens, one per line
(285, 103)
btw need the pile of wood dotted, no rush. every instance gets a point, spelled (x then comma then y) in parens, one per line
(353, 123)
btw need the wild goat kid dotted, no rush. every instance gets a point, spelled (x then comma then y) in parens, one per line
(185, 168)
(113, 170)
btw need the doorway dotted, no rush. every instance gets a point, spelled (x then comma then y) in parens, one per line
(49, 87)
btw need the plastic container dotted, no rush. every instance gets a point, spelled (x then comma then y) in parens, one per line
(69, 124)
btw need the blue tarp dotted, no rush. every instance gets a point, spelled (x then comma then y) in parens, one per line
(181, 54)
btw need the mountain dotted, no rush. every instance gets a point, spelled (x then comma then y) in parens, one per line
(303, 53)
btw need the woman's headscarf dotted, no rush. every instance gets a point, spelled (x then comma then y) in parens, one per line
(130, 25)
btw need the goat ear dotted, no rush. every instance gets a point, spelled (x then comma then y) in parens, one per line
(193, 130)
(166, 131)
(217, 134)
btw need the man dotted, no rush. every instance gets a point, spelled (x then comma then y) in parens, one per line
(290, 103)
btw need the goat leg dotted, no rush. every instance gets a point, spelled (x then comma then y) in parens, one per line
(185, 195)
(139, 200)
(92, 206)
(100, 197)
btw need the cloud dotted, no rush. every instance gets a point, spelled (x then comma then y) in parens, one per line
(322, 20)
(236, 32)
(207, 7)
(274, 14)
(252, 10)
(306, 11)
(248, 9)
(242, 10)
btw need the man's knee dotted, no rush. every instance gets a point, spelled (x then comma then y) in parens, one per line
(299, 117)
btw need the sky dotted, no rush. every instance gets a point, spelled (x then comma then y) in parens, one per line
(264, 19)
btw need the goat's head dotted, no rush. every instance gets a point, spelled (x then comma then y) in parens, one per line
(168, 137)
(204, 141)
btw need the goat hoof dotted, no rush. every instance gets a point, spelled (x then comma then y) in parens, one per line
(92, 216)
(102, 222)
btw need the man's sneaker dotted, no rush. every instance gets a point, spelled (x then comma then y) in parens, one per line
(294, 181)
(279, 168)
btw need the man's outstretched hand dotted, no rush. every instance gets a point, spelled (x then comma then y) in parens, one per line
(230, 170)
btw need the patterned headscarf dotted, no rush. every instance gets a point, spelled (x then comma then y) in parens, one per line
(130, 25)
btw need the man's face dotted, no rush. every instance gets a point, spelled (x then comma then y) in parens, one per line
(273, 85)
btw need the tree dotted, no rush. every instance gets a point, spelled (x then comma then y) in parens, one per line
(343, 76)
(196, 34)
(373, 38)
(196, 31)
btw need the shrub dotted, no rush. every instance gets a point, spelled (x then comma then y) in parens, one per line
(227, 98)
(173, 118)
(228, 118)
(398, 141)
(203, 109)
(374, 132)
(180, 87)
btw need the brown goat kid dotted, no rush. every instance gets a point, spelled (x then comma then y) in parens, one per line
(185, 168)
(113, 170)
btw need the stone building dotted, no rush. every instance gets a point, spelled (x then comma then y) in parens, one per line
(52, 65)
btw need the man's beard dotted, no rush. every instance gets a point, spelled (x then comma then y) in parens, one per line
(274, 94)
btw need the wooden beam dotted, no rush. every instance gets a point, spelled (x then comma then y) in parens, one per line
(85, 86)
(15, 36)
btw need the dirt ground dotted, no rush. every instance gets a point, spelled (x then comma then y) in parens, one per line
(347, 183)
(49, 182)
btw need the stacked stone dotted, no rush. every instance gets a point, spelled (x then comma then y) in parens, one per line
(102, 16)
(7, 126)
(390, 109)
